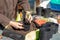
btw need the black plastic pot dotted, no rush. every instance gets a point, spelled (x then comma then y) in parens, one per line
(45, 34)
(52, 26)
(26, 27)
(48, 30)
(43, 12)
(13, 35)
(39, 10)
(46, 12)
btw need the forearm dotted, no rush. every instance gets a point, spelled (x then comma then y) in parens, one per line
(4, 20)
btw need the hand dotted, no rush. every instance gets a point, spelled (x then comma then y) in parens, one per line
(1, 36)
(16, 25)
(28, 16)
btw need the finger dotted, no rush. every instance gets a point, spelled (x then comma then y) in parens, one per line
(30, 19)
(20, 27)
(20, 24)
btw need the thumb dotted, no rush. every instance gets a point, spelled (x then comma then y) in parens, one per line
(20, 24)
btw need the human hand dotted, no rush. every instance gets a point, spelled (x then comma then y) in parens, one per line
(1, 36)
(16, 25)
(28, 16)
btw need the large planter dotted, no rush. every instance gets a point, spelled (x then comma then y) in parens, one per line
(48, 30)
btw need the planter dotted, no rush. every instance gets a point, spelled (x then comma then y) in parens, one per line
(48, 30)
(39, 10)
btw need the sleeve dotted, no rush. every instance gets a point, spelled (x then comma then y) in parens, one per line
(25, 4)
(3, 19)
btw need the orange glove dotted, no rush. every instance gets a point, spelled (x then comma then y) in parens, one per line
(40, 21)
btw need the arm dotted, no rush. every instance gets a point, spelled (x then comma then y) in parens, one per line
(3, 19)
(25, 4)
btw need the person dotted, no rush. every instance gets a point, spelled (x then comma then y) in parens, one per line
(7, 12)
(37, 2)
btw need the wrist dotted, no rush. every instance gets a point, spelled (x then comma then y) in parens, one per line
(10, 23)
